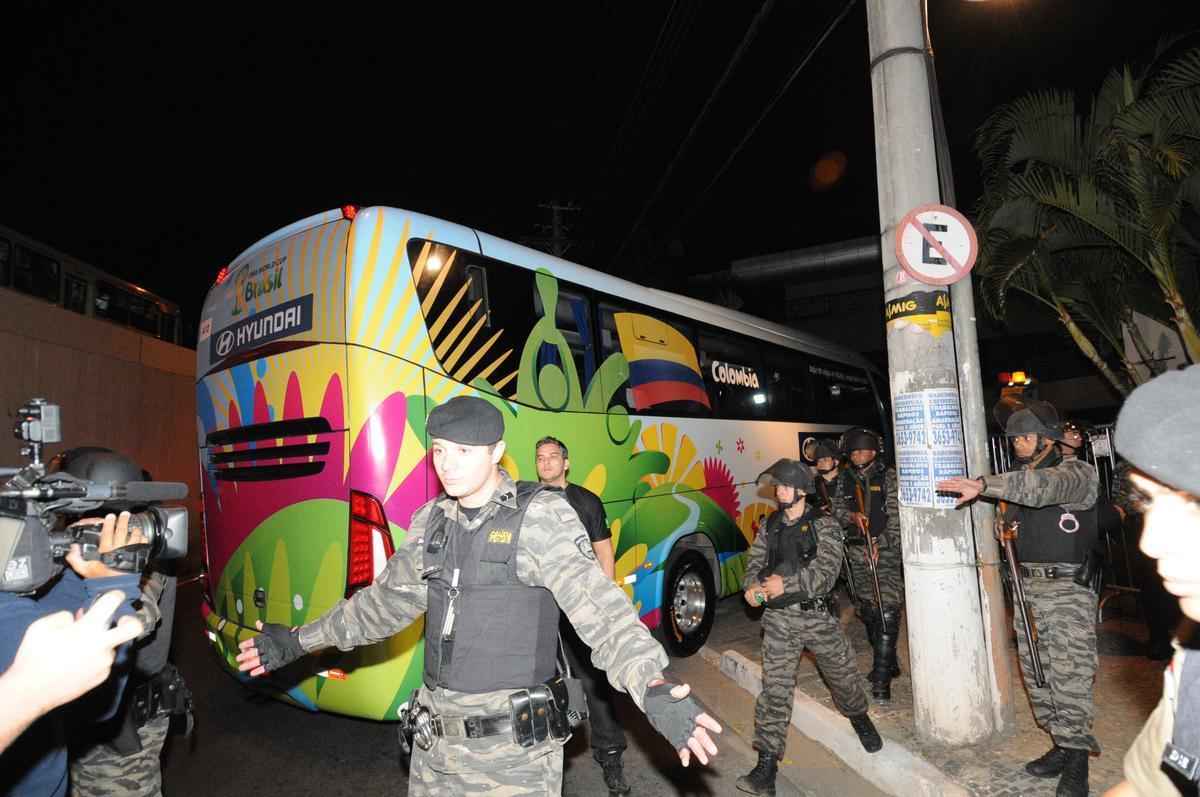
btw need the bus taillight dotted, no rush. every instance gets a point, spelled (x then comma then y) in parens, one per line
(370, 541)
(349, 212)
(222, 275)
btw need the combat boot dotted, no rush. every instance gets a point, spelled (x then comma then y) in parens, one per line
(761, 779)
(867, 734)
(892, 615)
(1074, 780)
(1049, 765)
(883, 665)
(614, 772)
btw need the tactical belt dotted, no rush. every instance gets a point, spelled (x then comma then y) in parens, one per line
(471, 727)
(824, 603)
(1053, 571)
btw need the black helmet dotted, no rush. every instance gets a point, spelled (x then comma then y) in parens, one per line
(1019, 416)
(815, 448)
(859, 438)
(791, 472)
(103, 465)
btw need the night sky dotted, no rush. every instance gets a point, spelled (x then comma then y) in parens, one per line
(157, 141)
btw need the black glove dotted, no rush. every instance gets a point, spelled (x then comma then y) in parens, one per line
(674, 718)
(277, 646)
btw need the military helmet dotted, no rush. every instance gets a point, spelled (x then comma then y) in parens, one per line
(791, 472)
(97, 464)
(815, 448)
(1020, 416)
(860, 437)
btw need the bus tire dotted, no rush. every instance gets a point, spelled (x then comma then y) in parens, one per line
(689, 603)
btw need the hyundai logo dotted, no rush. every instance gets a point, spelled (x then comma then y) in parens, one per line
(224, 343)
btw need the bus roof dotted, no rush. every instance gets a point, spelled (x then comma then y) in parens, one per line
(526, 257)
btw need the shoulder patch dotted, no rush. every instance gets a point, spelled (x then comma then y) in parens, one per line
(585, 547)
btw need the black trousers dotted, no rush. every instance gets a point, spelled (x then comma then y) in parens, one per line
(606, 731)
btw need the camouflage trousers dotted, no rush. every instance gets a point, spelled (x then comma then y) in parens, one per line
(494, 765)
(1064, 615)
(101, 772)
(891, 576)
(786, 634)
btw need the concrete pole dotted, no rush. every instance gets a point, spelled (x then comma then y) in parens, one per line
(948, 660)
(997, 631)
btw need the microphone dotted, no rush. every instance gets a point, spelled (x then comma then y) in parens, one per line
(138, 492)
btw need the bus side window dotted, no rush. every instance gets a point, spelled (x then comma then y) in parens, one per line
(76, 294)
(664, 375)
(737, 382)
(5, 258)
(170, 323)
(788, 384)
(573, 318)
(111, 302)
(36, 274)
(842, 393)
(477, 291)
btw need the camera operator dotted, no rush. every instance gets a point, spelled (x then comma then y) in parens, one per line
(36, 763)
(121, 756)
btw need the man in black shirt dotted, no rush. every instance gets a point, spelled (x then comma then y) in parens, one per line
(608, 740)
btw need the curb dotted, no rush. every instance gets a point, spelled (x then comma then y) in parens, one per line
(895, 769)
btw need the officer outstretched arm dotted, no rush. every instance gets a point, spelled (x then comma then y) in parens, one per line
(1073, 484)
(555, 553)
(374, 613)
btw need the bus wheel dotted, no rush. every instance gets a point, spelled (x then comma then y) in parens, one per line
(689, 603)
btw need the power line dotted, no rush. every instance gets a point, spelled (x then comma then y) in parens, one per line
(699, 201)
(735, 59)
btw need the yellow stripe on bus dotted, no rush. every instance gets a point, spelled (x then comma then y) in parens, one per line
(365, 281)
(431, 297)
(461, 373)
(449, 310)
(486, 372)
(384, 313)
(462, 346)
(445, 343)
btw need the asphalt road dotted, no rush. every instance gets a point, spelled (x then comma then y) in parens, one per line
(247, 744)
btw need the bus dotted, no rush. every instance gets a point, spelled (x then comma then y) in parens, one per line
(36, 269)
(323, 347)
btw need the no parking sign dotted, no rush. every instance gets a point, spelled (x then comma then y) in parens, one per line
(936, 244)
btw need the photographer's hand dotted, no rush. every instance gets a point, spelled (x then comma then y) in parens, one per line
(114, 534)
(61, 658)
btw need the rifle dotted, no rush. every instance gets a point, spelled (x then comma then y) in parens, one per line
(864, 526)
(1018, 591)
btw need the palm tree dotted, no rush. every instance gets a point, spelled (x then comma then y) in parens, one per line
(1075, 199)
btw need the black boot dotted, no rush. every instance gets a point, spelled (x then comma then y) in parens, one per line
(1074, 780)
(884, 667)
(892, 615)
(1049, 765)
(761, 779)
(614, 773)
(867, 734)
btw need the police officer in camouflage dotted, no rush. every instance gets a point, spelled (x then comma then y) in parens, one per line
(792, 568)
(489, 564)
(865, 497)
(1048, 504)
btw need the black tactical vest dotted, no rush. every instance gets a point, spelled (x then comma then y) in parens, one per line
(504, 633)
(1052, 534)
(789, 548)
(873, 485)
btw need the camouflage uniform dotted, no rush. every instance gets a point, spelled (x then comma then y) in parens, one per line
(788, 631)
(1064, 612)
(878, 483)
(554, 553)
(99, 770)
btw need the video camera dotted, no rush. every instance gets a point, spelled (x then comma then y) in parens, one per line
(37, 508)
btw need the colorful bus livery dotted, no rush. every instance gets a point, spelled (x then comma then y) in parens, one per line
(312, 439)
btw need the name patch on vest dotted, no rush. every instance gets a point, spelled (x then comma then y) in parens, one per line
(500, 536)
(875, 488)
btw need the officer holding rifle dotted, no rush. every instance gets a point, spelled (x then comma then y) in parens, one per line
(1048, 509)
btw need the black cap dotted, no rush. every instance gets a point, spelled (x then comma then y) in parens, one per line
(791, 472)
(1157, 429)
(466, 420)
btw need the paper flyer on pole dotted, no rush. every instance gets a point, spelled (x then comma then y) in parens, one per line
(929, 445)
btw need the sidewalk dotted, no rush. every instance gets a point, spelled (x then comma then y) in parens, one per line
(1127, 689)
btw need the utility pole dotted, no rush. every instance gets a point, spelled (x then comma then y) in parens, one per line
(555, 236)
(951, 672)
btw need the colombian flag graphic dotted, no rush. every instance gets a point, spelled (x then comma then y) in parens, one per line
(662, 362)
